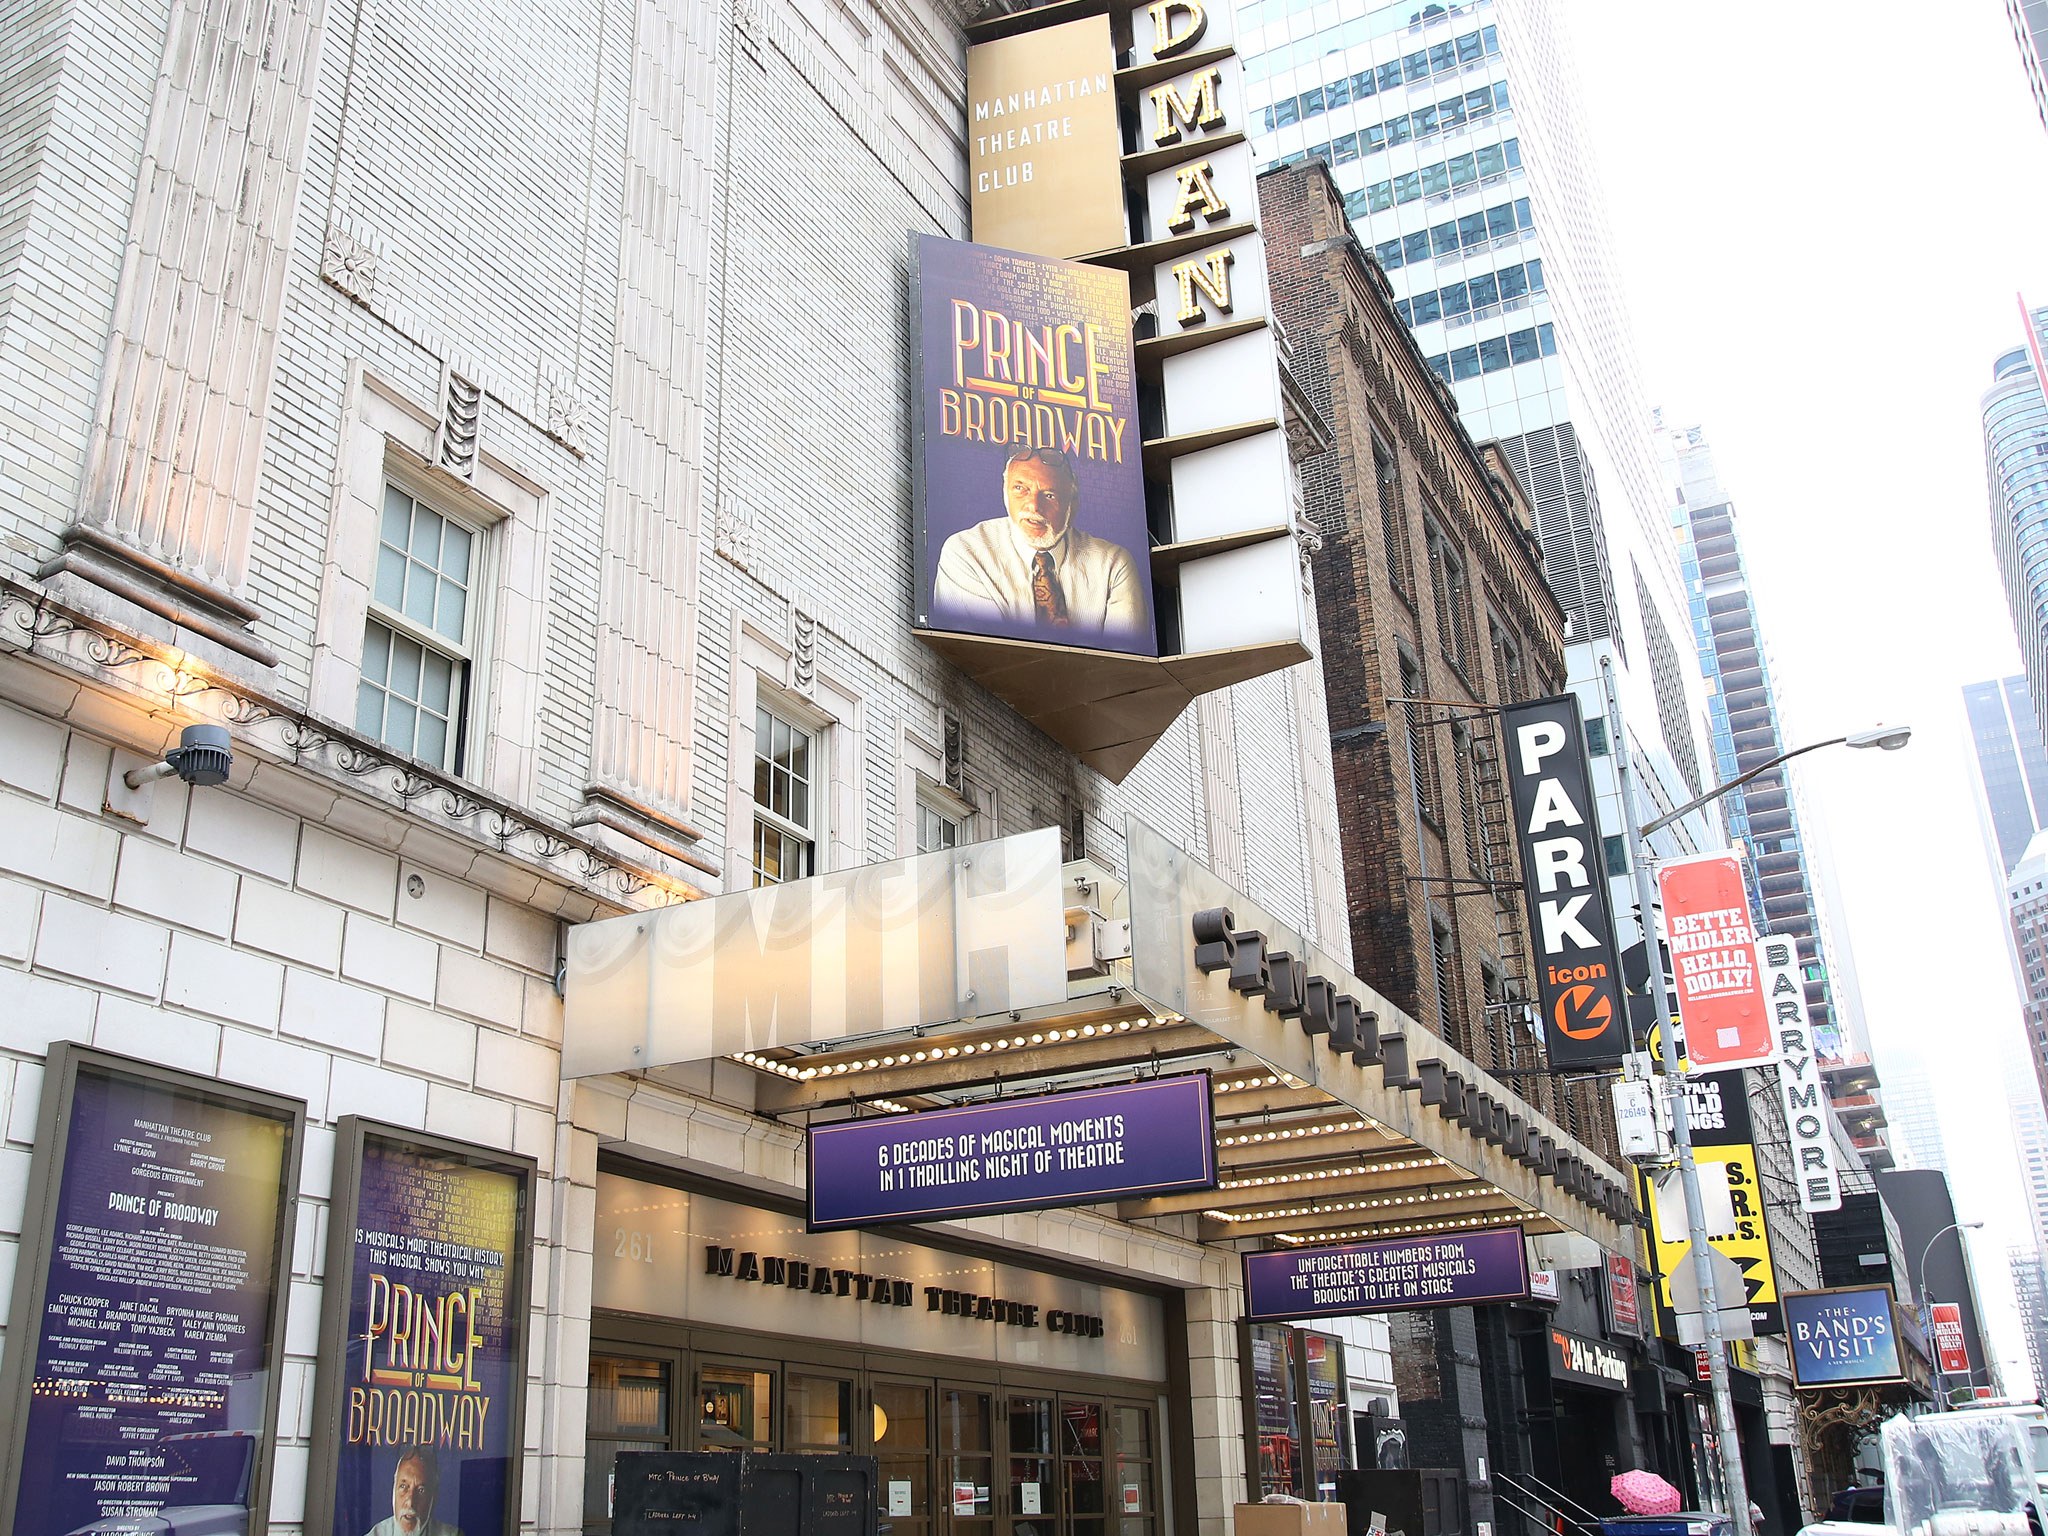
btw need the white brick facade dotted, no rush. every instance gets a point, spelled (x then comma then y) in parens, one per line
(622, 287)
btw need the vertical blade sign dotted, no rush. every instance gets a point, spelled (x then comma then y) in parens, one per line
(1564, 877)
(1713, 959)
(1799, 1079)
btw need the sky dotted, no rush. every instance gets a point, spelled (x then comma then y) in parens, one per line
(1821, 215)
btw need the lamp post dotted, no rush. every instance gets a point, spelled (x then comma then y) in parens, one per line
(1888, 739)
(1927, 1301)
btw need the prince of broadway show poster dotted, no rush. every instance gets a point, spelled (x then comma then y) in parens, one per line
(433, 1359)
(1030, 483)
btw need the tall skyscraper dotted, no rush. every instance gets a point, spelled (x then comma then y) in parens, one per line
(1742, 711)
(2016, 476)
(2026, 891)
(1453, 132)
(1916, 1138)
(2012, 807)
(2030, 1259)
(2012, 767)
(2029, 20)
(2030, 1289)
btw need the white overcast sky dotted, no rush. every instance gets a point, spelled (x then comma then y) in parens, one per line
(1822, 213)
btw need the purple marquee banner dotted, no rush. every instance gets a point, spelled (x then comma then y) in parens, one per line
(1139, 1139)
(1442, 1269)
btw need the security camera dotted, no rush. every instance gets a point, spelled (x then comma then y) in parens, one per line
(203, 756)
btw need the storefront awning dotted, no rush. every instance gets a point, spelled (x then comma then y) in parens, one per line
(995, 970)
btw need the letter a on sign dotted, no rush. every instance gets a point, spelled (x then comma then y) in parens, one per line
(1564, 878)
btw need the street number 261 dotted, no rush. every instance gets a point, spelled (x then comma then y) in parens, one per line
(636, 1247)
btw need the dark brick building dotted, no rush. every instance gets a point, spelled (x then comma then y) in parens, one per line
(1434, 612)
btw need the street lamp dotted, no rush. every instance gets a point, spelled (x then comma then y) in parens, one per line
(1887, 738)
(1927, 1299)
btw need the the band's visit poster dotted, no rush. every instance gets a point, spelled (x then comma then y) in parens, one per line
(433, 1359)
(152, 1368)
(1030, 476)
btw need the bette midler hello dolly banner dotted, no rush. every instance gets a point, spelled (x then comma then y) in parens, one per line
(1030, 486)
(428, 1276)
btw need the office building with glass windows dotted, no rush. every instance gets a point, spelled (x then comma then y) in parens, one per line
(1453, 134)
(2016, 476)
(2029, 20)
(1742, 710)
(2012, 767)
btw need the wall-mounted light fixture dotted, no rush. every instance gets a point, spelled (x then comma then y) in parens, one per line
(203, 756)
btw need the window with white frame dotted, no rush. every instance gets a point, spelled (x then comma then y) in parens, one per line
(418, 639)
(941, 823)
(785, 798)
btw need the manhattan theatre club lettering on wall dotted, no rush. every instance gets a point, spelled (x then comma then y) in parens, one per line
(827, 1282)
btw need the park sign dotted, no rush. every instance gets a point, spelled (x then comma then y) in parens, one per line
(1438, 1269)
(1564, 879)
(1135, 1140)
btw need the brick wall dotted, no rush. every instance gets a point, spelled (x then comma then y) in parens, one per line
(1414, 847)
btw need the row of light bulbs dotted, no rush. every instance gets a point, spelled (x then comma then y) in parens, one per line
(1398, 1229)
(1296, 1132)
(1303, 1176)
(937, 1053)
(1332, 1207)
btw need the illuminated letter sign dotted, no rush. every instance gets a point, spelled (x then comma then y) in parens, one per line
(1177, 25)
(1173, 112)
(1564, 878)
(1211, 275)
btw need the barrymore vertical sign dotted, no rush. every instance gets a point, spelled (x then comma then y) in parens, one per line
(157, 1239)
(1564, 877)
(423, 1339)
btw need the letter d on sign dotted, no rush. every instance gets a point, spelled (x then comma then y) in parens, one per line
(1169, 39)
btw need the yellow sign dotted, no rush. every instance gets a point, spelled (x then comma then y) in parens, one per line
(1749, 1245)
(1044, 147)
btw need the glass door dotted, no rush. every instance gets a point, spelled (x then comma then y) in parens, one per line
(735, 1402)
(1034, 1497)
(902, 1434)
(632, 1408)
(967, 1458)
(1080, 1450)
(1134, 1490)
(818, 1409)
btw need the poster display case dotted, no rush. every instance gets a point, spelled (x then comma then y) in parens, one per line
(147, 1326)
(422, 1389)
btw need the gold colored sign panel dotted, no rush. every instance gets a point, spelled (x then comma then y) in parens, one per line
(1044, 148)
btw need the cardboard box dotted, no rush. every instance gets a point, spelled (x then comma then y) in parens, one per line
(1289, 1519)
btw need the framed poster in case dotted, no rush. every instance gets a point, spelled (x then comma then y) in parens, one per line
(146, 1332)
(423, 1336)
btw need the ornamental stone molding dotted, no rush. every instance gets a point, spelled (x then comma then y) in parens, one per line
(35, 628)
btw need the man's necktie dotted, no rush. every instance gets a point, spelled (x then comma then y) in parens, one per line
(1046, 595)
